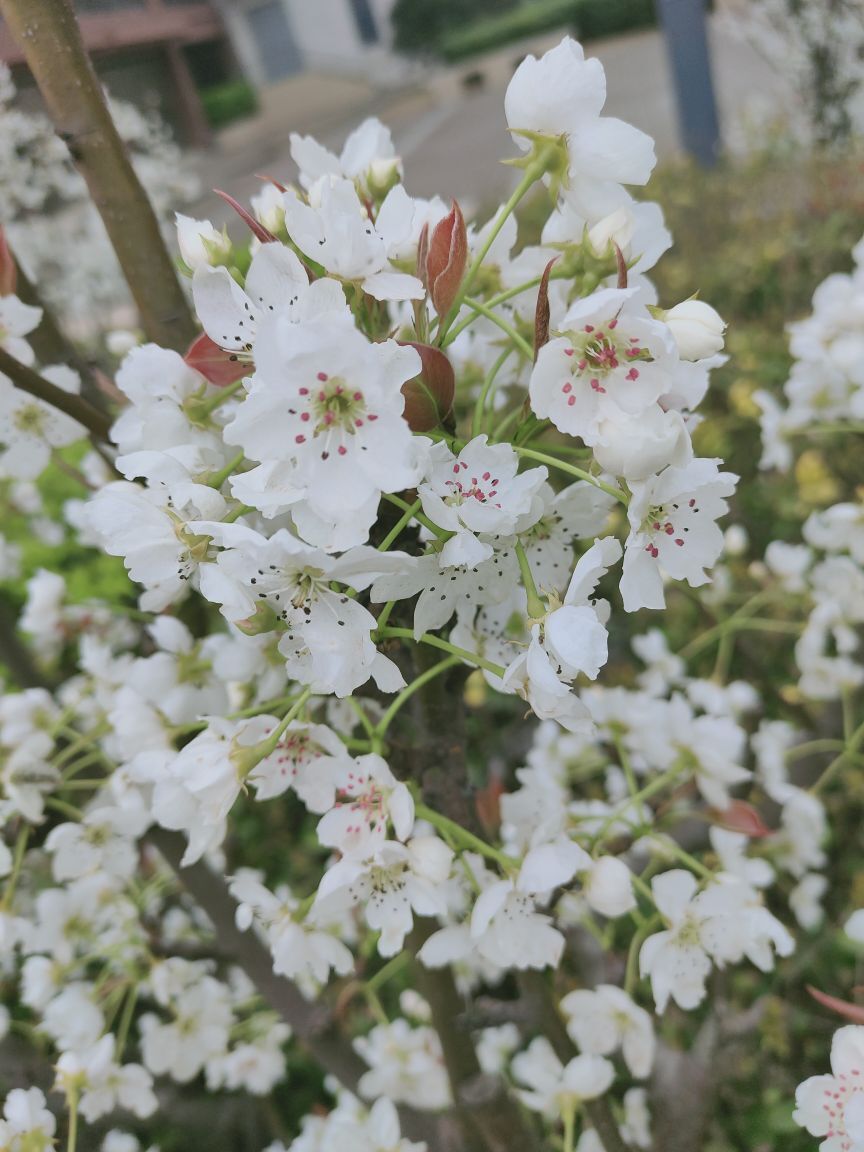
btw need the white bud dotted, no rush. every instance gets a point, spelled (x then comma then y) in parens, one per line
(121, 341)
(639, 446)
(854, 926)
(199, 242)
(617, 227)
(609, 887)
(269, 208)
(698, 329)
(735, 540)
(383, 174)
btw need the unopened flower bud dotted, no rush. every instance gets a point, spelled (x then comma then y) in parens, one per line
(269, 208)
(609, 887)
(615, 228)
(200, 243)
(698, 329)
(121, 341)
(383, 174)
(735, 540)
(639, 446)
(446, 259)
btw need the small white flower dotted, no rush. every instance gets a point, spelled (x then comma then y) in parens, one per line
(604, 1019)
(832, 1107)
(672, 528)
(554, 1088)
(562, 95)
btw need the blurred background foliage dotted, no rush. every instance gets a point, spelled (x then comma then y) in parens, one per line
(455, 30)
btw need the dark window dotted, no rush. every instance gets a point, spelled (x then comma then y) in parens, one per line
(276, 45)
(365, 21)
(88, 7)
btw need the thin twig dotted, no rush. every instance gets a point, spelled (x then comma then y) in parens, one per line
(96, 422)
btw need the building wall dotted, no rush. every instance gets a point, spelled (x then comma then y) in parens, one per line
(326, 32)
(330, 33)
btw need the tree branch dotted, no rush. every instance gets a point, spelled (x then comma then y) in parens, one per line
(96, 422)
(490, 1118)
(51, 344)
(48, 35)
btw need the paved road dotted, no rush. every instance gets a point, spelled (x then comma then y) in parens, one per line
(452, 138)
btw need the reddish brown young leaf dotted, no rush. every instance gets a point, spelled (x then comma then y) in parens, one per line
(422, 255)
(262, 233)
(853, 1012)
(8, 270)
(541, 312)
(429, 396)
(446, 260)
(214, 363)
(487, 802)
(271, 180)
(622, 267)
(741, 817)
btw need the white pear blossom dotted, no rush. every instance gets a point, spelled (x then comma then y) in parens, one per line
(284, 583)
(199, 242)
(27, 1123)
(697, 328)
(300, 952)
(335, 230)
(831, 1107)
(562, 95)
(611, 359)
(324, 418)
(673, 530)
(275, 283)
(105, 1084)
(478, 492)
(369, 800)
(393, 883)
(367, 157)
(405, 1064)
(604, 1019)
(30, 429)
(553, 1088)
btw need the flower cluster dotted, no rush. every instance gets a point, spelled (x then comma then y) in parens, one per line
(411, 467)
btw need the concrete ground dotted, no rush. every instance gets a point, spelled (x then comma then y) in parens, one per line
(452, 137)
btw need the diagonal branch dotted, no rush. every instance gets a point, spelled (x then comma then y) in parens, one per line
(51, 344)
(96, 422)
(489, 1118)
(48, 35)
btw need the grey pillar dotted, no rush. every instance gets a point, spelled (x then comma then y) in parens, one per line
(683, 23)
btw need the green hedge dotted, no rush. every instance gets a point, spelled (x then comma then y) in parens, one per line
(596, 18)
(494, 31)
(225, 103)
(419, 25)
(588, 19)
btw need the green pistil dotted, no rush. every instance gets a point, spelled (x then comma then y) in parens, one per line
(336, 405)
(29, 419)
